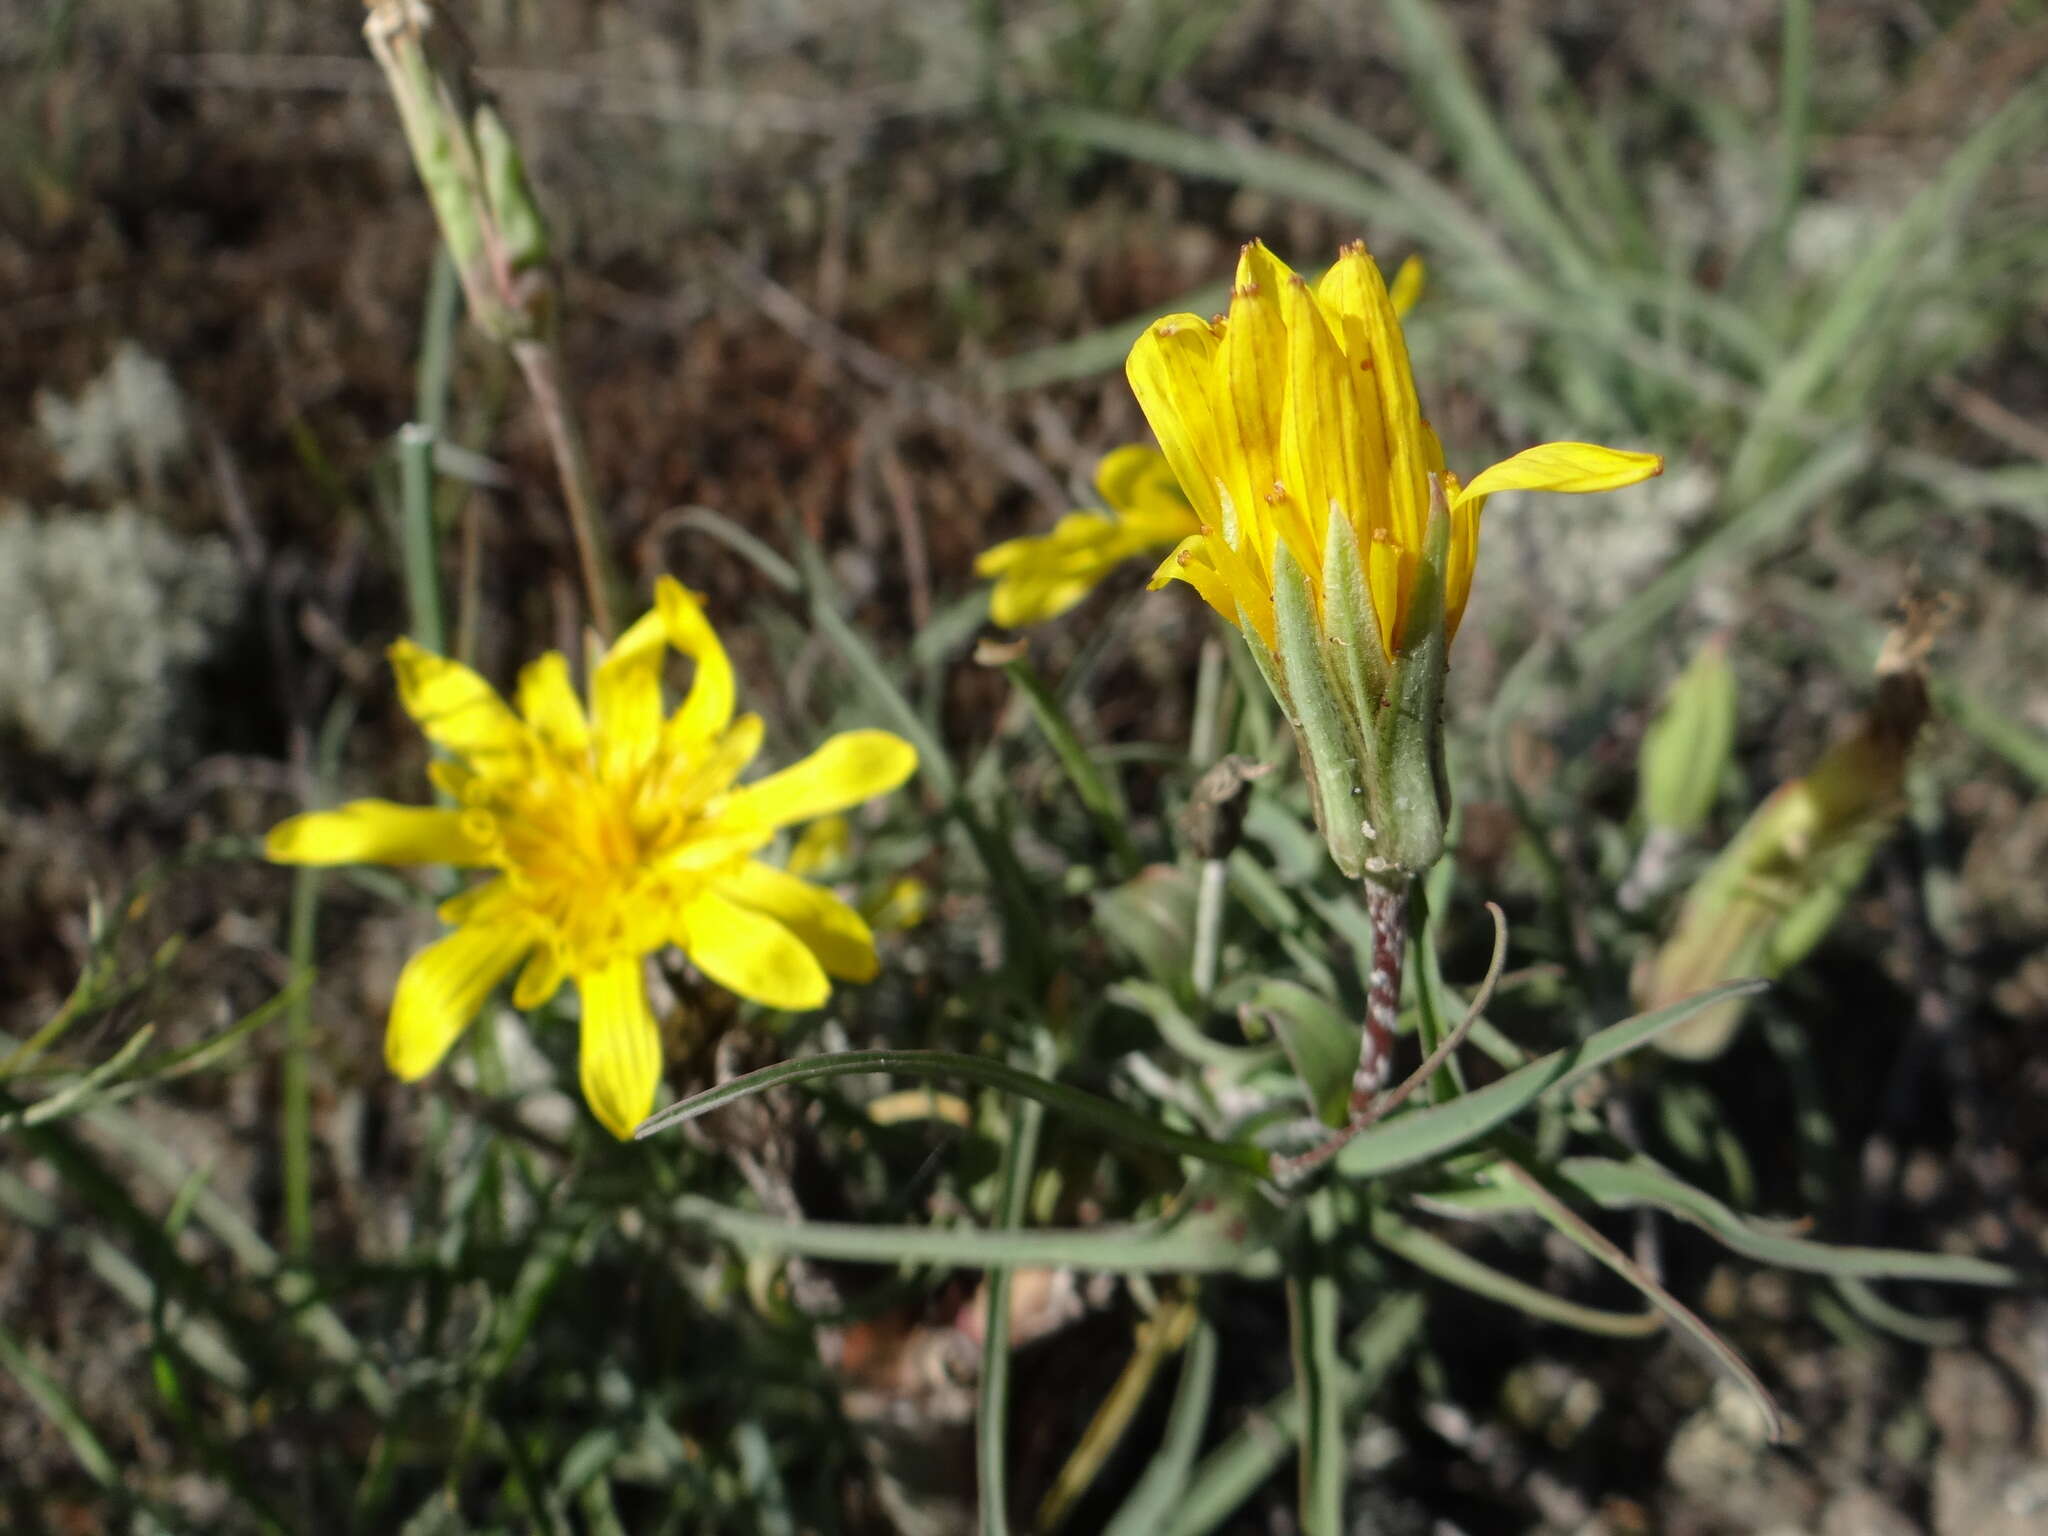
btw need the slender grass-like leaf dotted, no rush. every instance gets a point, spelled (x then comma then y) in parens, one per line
(1320, 1375)
(1443, 81)
(1421, 1135)
(1321, 1043)
(197, 1338)
(1431, 1254)
(1094, 787)
(42, 1389)
(992, 1407)
(2026, 749)
(1692, 1326)
(1859, 298)
(1928, 1332)
(1159, 1336)
(1161, 1486)
(1228, 1475)
(1199, 1243)
(1620, 1186)
(1104, 1115)
(756, 552)
(295, 1292)
(1098, 351)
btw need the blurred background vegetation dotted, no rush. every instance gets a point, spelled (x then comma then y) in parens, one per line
(847, 287)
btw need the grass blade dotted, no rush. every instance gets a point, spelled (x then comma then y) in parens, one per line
(1432, 1255)
(1104, 1115)
(1620, 1186)
(992, 1406)
(1198, 1244)
(1162, 1486)
(1319, 1375)
(1716, 1349)
(1230, 1473)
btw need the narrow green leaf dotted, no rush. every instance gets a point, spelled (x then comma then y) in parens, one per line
(1199, 1243)
(1230, 1473)
(1432, 1255)
(1162, 1485)
(992, 1409)
(42, 1390)
(1717, 1350)
(1102, 1114)
(1420, 1135)
(1620, 1186)
(1096, 790)
(1321, 1044)
(1319, 1375)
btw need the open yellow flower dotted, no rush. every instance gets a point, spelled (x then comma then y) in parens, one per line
(1332, 535)
(1041, 576)
(1294, 421)
(613, 834)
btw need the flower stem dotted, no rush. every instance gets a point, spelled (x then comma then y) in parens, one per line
(1209, 926)
(541, 364)
(1387, 906)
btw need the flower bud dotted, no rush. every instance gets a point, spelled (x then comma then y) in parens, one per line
(1686, 750)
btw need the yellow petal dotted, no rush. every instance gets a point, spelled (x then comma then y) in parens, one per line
(1332, 456)
(823, 846)
(751, 954)
(540, 978)
(440, 990)
(374, 832)
(1172, 372)
(1040, 578)
(1135, 477)
(1563, 467)
(549, 705)
(455, 708)
(1189, 562)
(827, 926)
(1407, 289)
(1253, 363)
(849, 768)
(708, 708)
(625, 689)
(1354, 291)
(1464, 556)
(711, 770)
(620, 1054)
(1024, 598)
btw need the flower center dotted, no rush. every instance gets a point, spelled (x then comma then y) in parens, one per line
(582, 849)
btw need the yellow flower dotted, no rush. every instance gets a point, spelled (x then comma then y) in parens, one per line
(1294, 421)
(1332, 535)
(613, 834)
(1041, 576)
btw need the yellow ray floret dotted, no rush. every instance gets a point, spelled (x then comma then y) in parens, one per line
(1298, 409)
(1040, 577)
(613, 832)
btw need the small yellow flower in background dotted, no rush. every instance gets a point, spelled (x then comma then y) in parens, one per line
(614, 834)
(1332, 535)
(1041, 576)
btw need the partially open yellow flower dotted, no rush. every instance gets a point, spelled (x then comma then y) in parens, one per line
(1041, 576)
(1332, 535)
(614, 834)
(1296, 413)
